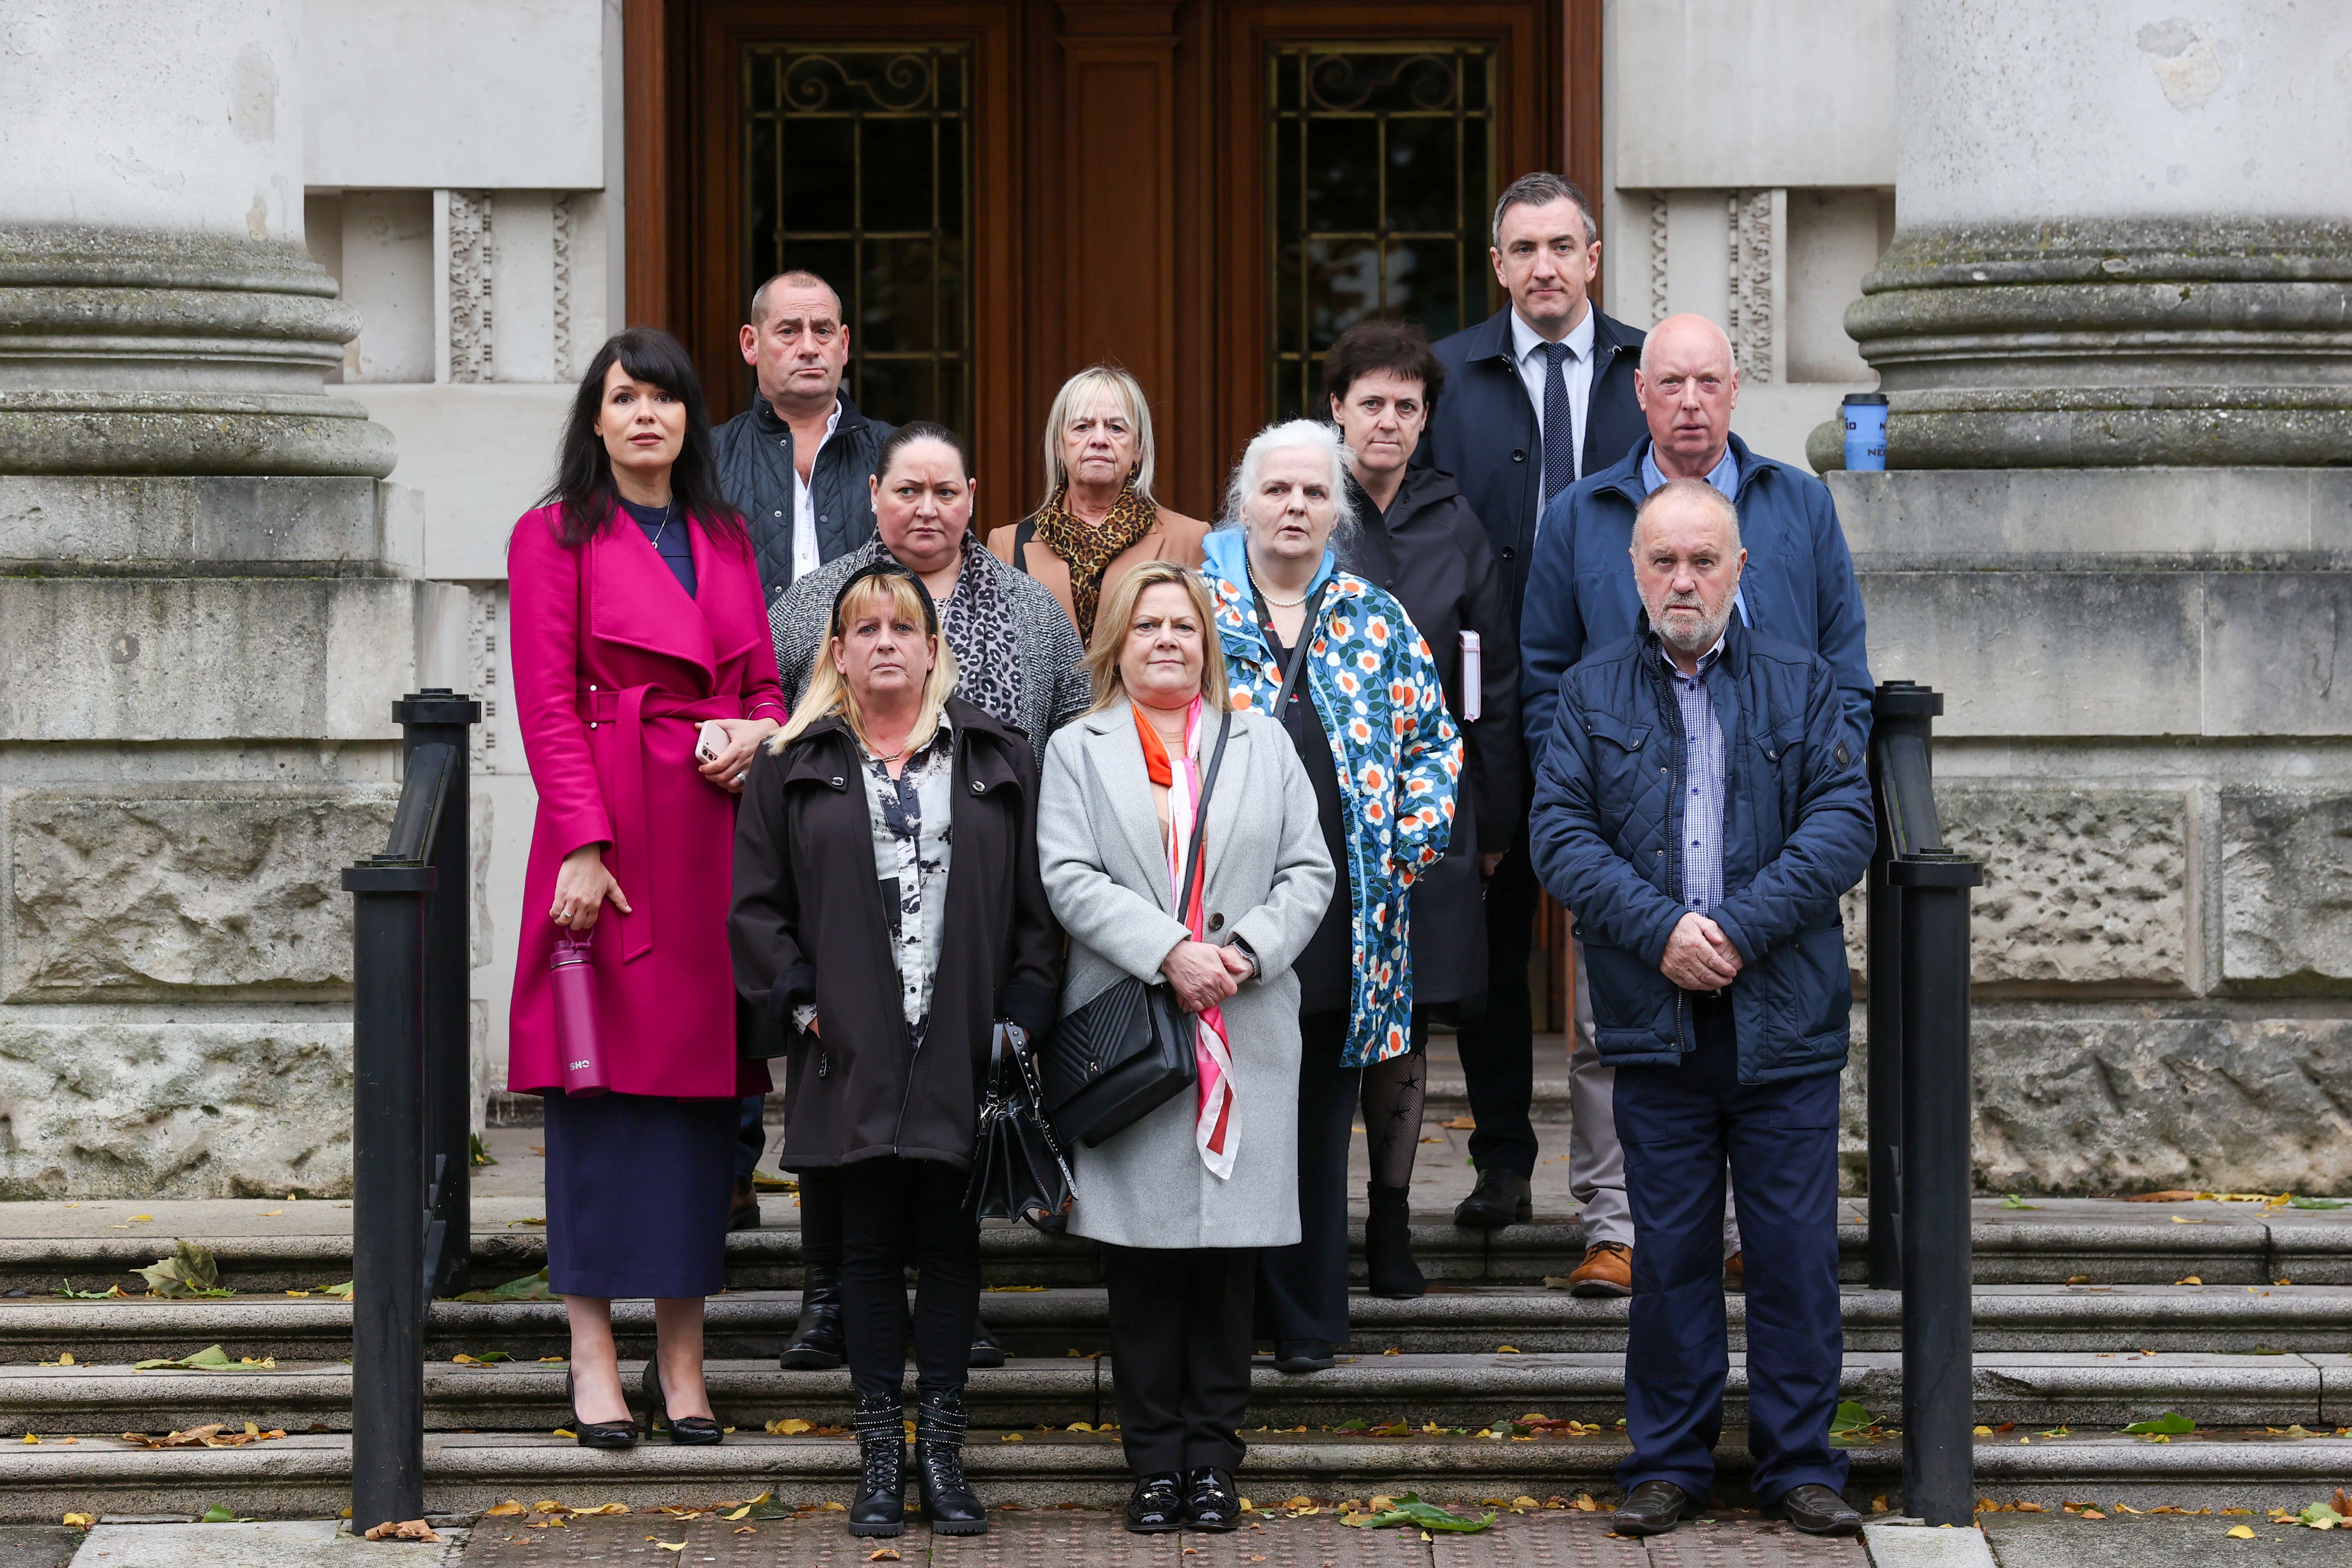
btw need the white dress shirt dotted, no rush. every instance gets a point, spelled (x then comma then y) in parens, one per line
(1525, 342)
(806, 557)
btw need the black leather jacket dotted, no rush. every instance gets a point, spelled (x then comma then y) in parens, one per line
(754, 452)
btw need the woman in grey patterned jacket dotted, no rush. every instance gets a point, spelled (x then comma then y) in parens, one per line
(1020, 657)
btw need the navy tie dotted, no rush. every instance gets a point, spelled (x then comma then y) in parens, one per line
(1559, 424)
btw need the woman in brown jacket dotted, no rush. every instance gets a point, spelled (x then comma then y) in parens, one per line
(888, 910)
(1098, 521)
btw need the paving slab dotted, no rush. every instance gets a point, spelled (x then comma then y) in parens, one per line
(38, 1545)
(1912, 1544)
(291, 1543)
(2128, 1540)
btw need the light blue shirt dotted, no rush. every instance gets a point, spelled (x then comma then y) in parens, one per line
(1725, 477)
(1702, 802)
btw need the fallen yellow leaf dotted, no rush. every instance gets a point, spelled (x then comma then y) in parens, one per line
(833, 1507)
(1300, 1502)
(137, 1217)
(742, 1512)
(1078, 1426)
(506, 1509)
(883, 1554)
(271, 1214)
(2189, 1280)
(2240, 1532)
(1013, 1437)
(668, 1545)
(79, 1520)
(1507, 1350)
(792, 1428)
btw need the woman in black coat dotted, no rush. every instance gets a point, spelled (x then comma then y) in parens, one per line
(1421, 542)
(889, 908)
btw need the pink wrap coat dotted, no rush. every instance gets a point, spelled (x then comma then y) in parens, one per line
(615, 669)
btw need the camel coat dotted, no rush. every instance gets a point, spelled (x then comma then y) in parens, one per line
(1174, 536)
(1267, 879)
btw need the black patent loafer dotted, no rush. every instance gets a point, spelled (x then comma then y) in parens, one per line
(1501, 1197)
(1211, 1503)
(985, 1351)
(1299, 1356)
(1155, 1506)
(1814, 1510)
(1652, 1508)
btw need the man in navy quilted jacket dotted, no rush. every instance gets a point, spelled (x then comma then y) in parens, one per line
(1700, 805)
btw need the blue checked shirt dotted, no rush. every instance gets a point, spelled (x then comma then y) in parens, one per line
(1702, 814)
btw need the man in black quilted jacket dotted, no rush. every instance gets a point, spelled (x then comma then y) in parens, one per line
(1701, 805)
(796, 463)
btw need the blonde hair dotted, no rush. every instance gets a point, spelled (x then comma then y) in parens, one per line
(1118, 619)
(828, 693)
(1079, 391)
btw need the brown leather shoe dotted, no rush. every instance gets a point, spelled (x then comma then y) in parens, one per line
(1607, 1271)
(743, 1208)
(1735, 1272)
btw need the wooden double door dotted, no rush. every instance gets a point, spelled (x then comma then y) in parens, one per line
(1004, 191)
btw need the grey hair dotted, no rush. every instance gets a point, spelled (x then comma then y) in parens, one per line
(1542, 189)
(1314, 434)
(798, 277)
(1698, 490)
(1114, 382)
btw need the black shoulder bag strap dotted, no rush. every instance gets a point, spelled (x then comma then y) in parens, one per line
(1299, 650)
(1200, 818)
(1023, 533)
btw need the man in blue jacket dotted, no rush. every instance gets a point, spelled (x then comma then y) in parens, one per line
(1536, 395)
(1800, 588)
(1701, 807)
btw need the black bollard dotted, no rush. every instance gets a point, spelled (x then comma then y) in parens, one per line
(388, 1285)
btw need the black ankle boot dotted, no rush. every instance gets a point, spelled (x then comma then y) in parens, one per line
(816, 1346)
(939, 1423)
(1388, 1246)
(879, 1508)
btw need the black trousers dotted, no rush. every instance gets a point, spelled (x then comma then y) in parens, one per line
(1180, 1346)
(894, 1213)
(821, 1217)
(1302, 1289)
(1497, 1046)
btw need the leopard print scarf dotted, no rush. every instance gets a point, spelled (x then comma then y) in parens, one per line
(1090, 550)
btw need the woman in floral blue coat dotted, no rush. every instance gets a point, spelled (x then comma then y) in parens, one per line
(1368, 715)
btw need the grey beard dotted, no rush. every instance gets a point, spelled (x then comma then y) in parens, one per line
(1710, 627)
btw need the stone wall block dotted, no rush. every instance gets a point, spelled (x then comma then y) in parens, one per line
(2082, 888)
(187, 1109)
(114, 895)
(2286, 888)
(2071, 1104)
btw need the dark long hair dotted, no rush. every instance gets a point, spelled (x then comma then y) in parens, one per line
(584, 487)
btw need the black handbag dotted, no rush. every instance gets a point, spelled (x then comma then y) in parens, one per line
(1129, 1051)
(1017, 1169)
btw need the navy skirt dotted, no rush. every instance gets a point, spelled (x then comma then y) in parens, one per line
(638, 1189)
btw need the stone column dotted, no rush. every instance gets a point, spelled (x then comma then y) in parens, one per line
(2123, 236)
(2116, 331)
(204, 615)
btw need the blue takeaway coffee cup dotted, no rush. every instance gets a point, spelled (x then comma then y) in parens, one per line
(1864, 414)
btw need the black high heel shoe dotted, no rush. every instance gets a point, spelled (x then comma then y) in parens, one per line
(597, 1434)
(689, 1431)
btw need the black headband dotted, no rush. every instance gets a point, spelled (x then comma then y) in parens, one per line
(888, 568)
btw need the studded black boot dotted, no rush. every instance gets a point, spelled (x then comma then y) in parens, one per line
(939, 1423)
(881, 1427)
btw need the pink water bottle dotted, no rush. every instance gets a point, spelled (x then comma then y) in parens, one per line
(573, 978)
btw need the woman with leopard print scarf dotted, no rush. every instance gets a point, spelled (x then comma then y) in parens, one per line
(1099, 521)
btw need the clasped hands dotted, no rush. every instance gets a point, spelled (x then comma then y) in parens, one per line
(1698, 956)
(1202, 975)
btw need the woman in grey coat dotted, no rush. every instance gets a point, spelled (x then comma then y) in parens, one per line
(1184, 1199)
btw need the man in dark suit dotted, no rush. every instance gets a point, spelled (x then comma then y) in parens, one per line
(1534, 396)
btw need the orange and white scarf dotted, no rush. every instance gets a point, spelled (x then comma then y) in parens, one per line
(1213, 1132)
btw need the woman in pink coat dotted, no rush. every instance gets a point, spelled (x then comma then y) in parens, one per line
(637, 617)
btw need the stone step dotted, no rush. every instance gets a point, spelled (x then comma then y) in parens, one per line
(308, 1475)
(1451, 1320)
(2099, 1391)
(2051, 1241)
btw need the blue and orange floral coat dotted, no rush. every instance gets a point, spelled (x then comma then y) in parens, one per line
(1372, 678)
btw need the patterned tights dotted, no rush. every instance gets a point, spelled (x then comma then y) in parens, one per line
(1391, 1101)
